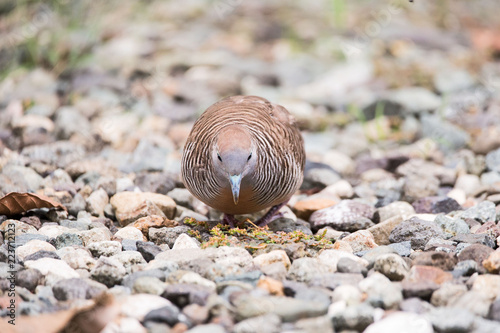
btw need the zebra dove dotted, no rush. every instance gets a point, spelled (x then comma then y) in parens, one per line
(244, 154)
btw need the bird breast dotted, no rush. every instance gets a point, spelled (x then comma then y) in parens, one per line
(280, 155)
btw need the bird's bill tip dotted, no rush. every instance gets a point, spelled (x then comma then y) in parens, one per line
(235, 181)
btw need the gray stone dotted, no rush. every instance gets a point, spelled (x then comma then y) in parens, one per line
(197, 314)
(267, 323)
(305, 269)
(182, 197)
(148, 285)
(182, 294)
(381, 292)
(96, 202)
(95, 235)
(169, 315)
(490, 178)
(29, 279)
(314, 294)
(187, 213)
(81, 224)
(41, 254)
(288, 309)
(452, 80)
(466, 268)
(477, 302)
(486, 239)
(163, 265)
(419, 186)
(348, 215)
(129, 258)
(68, 239)
(494, 313)
(282, 224)
(493, 160)
(448, 136)
(105, 248)
(415, 99)
(483, 212)
(250, 278)
(147, 156)
(403, 248)
(371, 255)
(16, 178)
(108, 271)
(33, 247)
(392, 266)
(129, 280)
(416, 231)
(76, 205)
(59, 153)
(451, 320)
(349, 294)
(70, 289)
(156, 182)
(167, 235)
(320, 177)
(334, 280)
(211, 263)
(129, 245)
(448, 294)
(53, 269)
(313, 325)
(415, 305)
(70, 121)
(452, 226)
(355, 317)
(397, 208)
(24, 238)
(148, 249)
(347, 265)
(485, 326)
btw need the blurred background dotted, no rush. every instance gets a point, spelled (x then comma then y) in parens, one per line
(118, 84)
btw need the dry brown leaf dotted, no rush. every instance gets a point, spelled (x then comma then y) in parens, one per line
(5, 327)
(94, 318)
(91, 318)
(17, 202)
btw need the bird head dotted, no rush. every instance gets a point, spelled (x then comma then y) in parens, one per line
(234, 157)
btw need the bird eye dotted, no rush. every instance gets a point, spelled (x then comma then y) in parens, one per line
(249, 157)
(218, 156)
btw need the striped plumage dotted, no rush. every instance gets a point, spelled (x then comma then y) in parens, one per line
(250, 136)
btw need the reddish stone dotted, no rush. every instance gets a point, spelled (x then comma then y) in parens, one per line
(442, 260)
(428, 274)
(476, 252)
(153, 221)
(489, 227)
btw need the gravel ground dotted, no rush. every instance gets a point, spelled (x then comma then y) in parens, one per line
(396, 227)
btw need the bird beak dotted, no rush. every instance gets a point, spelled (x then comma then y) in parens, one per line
(235, 187)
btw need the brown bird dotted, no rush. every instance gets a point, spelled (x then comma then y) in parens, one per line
(244, 154)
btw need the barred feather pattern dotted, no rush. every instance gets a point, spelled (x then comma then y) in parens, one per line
(280, 152)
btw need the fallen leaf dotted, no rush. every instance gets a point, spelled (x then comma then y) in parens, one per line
(16, 203)
(89, 318)
(93, 319)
